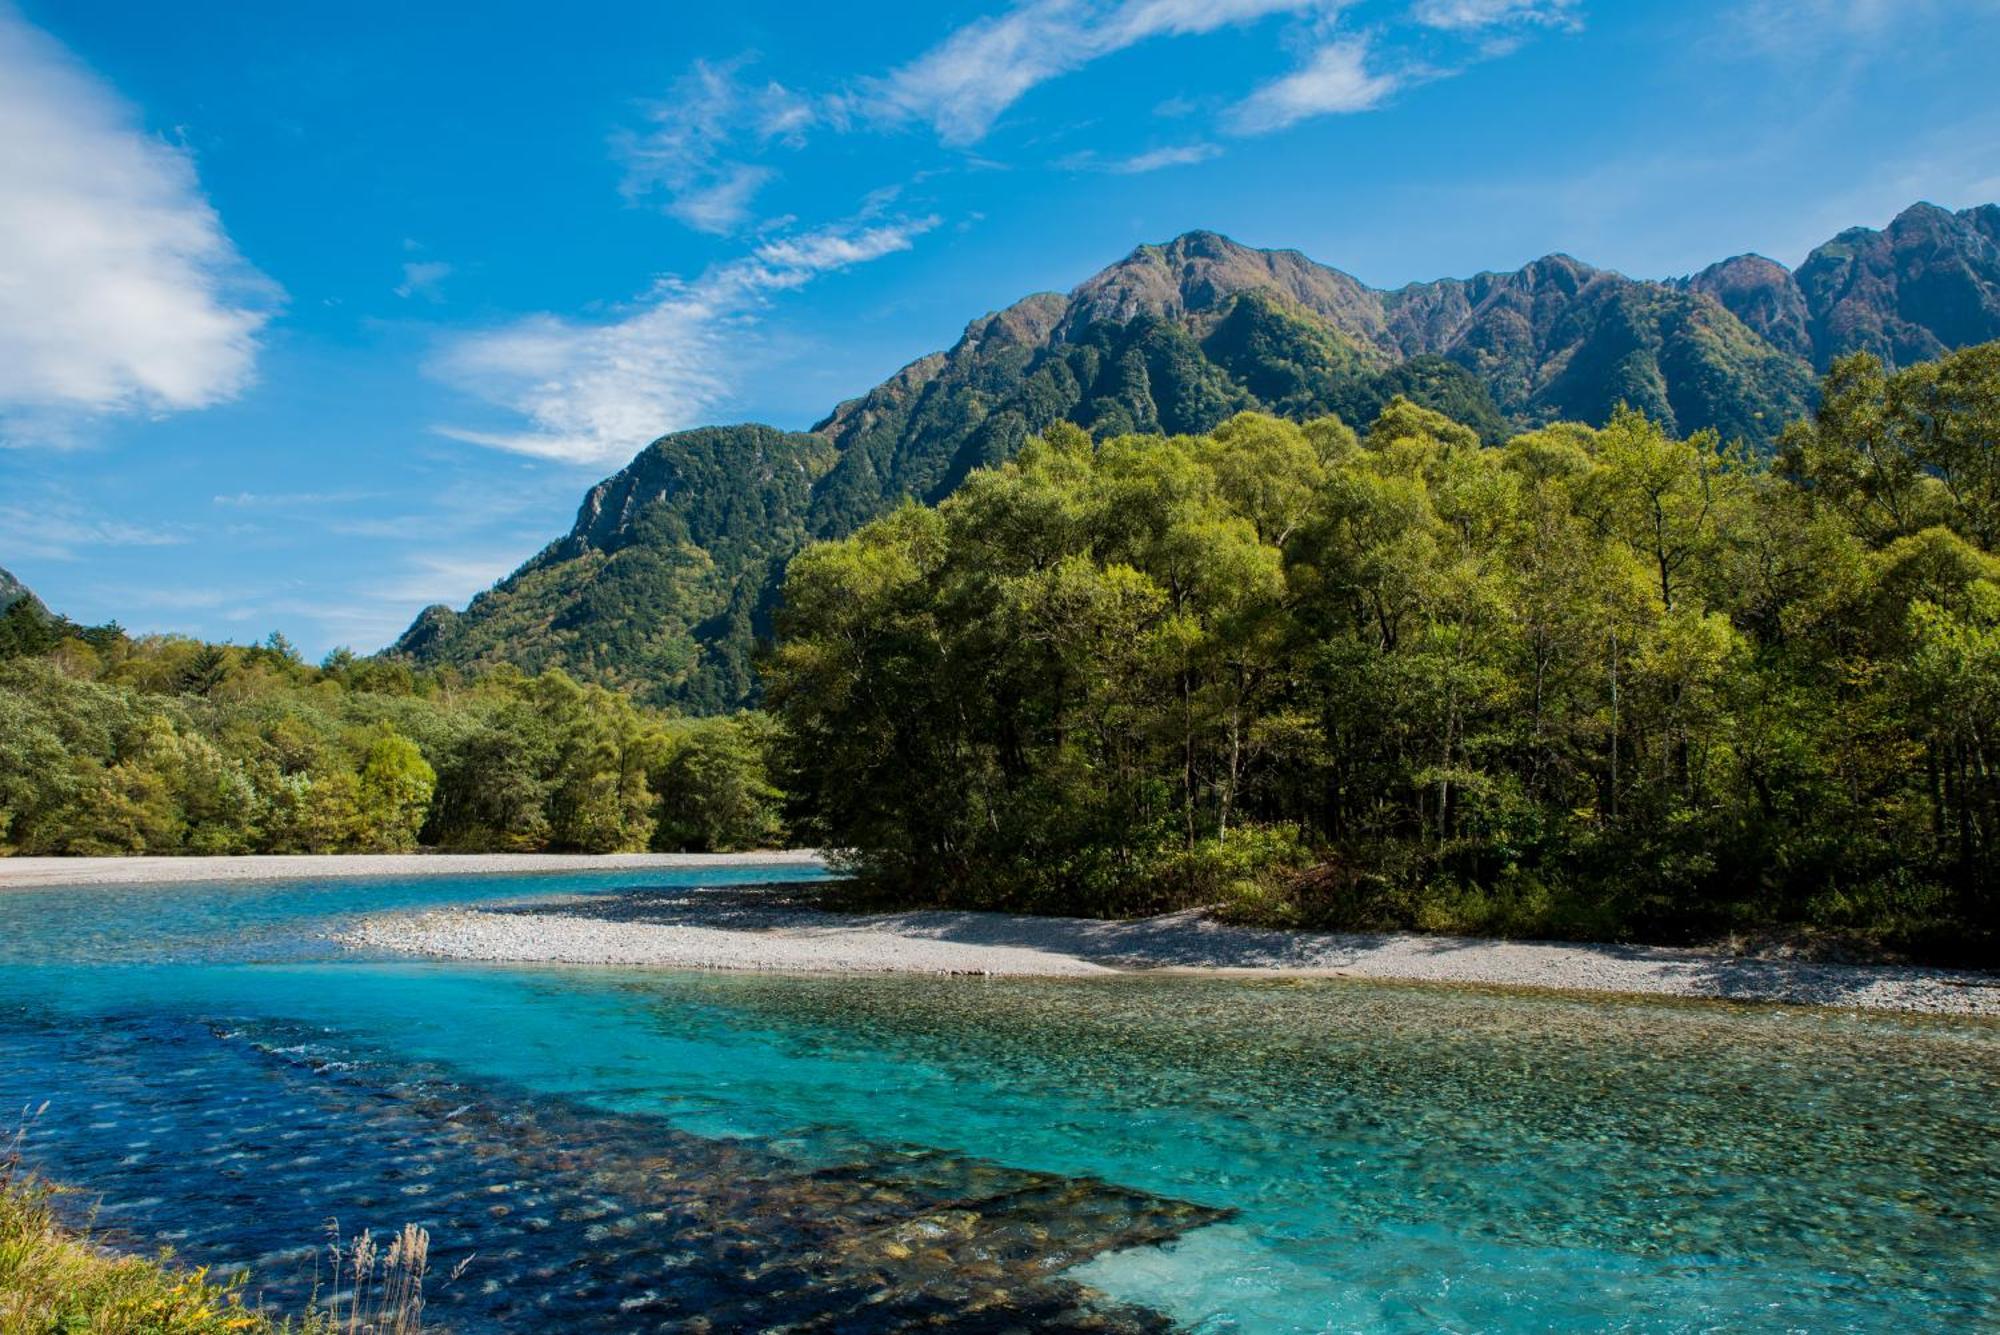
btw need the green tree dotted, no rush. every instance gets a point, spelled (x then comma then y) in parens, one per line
(393, 793)
(715, 789)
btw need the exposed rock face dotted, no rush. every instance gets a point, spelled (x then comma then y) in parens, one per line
(11, 590)
(673, 564)
(1927, 283)
(1762, 294)
(1199, 274)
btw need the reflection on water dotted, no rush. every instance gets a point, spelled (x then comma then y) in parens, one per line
(641, 1149)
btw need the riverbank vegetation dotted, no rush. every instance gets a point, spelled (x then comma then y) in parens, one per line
(160, 744)
(1592, 682)
(55, 1279)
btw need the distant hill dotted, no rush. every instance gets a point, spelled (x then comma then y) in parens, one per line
(668, 575)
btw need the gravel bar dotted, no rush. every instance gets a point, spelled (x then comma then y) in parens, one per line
(738, 928)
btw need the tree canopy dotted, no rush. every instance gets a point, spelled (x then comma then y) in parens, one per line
(1591, 680)
(168, 745)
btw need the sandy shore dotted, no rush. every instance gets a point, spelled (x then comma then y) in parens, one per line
(777, 930)
(18, 873)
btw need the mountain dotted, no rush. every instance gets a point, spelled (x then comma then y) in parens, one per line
(11, 590)
(1926, 284)
(664, 580)
(668, 576)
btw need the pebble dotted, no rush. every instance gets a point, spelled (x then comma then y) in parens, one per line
(739, 928)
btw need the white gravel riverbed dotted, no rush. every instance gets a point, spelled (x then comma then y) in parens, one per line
(752, 929)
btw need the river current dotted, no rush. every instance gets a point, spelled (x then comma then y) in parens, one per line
(638, 1150)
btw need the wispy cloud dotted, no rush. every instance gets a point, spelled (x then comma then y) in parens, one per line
(61, 531)
(172, 599)
(1800, 29)
(723, 204)
(1335, 80)
(448, 577)
(1472, 15)
(706, 147)
(699, 136)
(594, 393)
(962, 86)
(286, 500)
(1180, 155)
(424, 278)
(374, 614)
(119, 290)
(710, 145)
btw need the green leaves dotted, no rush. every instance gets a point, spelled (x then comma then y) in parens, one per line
(186, 748)
(1615, 675)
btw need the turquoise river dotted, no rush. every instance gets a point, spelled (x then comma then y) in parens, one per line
(650, 1150)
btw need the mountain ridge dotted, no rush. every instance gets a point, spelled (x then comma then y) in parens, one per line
(668, 575)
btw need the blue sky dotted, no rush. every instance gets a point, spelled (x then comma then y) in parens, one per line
(313, 314)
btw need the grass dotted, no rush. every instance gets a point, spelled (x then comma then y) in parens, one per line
(54, 1280)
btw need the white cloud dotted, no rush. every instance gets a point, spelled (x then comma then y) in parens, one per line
(707, 147)
(596, 393)
(723, 204)
(962, 85)
(701, 131)
(1180, 155)
(424, 278)
(1334, 81)
(791, 261)
(1468, 15)
(119, 290)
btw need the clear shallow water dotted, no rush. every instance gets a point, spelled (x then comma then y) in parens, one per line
(872, 1152)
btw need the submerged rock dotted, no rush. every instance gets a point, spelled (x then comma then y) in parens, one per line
(579, 1219)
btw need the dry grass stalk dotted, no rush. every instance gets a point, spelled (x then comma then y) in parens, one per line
(384, 1289)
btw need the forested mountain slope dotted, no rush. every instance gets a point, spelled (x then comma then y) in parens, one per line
(671, 569)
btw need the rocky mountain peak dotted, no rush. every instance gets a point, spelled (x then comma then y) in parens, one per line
(1764, 296)
(1199, 273)
(1928, 282)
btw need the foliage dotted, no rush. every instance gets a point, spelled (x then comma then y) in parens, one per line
(1594, 680)
(715, 785)
(168, 745)
(52, 1280)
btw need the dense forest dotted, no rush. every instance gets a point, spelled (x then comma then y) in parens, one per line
(1595, 682)
(1601, 682)
(111, 744)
